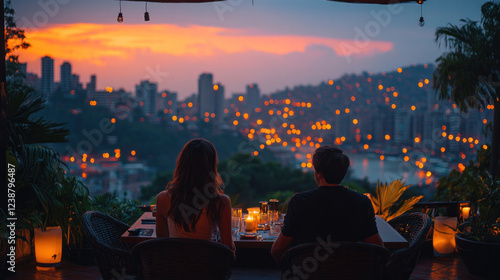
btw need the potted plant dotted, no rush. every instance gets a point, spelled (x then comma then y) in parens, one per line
(478, 237)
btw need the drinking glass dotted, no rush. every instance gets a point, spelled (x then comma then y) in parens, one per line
(237, 212)
(235, 226)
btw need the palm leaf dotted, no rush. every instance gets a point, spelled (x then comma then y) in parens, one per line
(387, 195)
(406, 206)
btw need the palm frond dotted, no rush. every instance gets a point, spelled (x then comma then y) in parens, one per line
(387, 195)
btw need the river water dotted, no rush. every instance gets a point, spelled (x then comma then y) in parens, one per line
(390, 169)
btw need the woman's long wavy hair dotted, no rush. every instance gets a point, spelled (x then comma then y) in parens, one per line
(196, 185)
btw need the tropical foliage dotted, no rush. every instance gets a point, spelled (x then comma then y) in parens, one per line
(475, 184)
(484, 224)
(469, 73)
(49, 197)
(124, 210)
(386, 201)
(457, 186)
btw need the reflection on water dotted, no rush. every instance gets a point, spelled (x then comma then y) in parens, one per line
(387, 170)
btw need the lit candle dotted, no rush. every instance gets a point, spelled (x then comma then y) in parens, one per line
(465, 212)
(443, 239)
(48, 247)
(249, 223)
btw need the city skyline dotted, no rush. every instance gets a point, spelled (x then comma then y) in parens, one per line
(276, 44)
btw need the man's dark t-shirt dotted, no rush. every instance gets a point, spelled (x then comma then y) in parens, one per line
(338, 212)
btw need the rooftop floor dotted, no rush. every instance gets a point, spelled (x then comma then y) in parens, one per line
(428, 267)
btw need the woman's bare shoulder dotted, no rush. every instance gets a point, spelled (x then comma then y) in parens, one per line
(163, 195)
(224, 199)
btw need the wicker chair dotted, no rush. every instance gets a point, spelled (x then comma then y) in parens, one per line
(182, 258)
(113, 258)
(348, 260)
(414, 228)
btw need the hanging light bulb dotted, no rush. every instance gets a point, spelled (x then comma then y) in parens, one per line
(146, 14)
(421, 21)
(120, 15)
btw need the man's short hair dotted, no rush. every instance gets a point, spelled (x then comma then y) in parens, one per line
(331, 162)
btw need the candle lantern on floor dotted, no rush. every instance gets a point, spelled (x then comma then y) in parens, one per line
(443, 239)
(48, 248)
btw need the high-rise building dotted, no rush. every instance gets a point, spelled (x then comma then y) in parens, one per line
(24, 68)
(75, 82)
(66, 78)
(167, 102)
(91, 86)
(47, 84)
(402, 126)
(219, 103)
(146, 93)
(206, 100)
(253, 97)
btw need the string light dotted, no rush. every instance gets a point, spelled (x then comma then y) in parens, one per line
(421, 21)
(120, 15)
(146, 14)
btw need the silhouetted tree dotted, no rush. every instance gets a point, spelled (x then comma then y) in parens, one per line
(469, 74)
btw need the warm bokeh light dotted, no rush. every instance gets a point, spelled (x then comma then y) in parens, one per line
(132, 152)
(382, 157)
(461, 167)
(366, 146)
(485, 147)
(387, 137)
(216, 87)
(443, 149)
(405, 150)
(355, 121)
(417, 139)
(113, 120)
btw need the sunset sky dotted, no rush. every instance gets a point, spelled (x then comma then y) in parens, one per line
(274, 43)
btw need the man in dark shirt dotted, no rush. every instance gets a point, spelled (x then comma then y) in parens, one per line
(329, 212)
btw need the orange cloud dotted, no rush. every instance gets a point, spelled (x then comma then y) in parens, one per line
(94, 42)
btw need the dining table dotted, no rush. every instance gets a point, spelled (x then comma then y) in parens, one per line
(145, 229)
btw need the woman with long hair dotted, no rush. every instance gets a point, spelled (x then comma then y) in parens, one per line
(193, 204)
